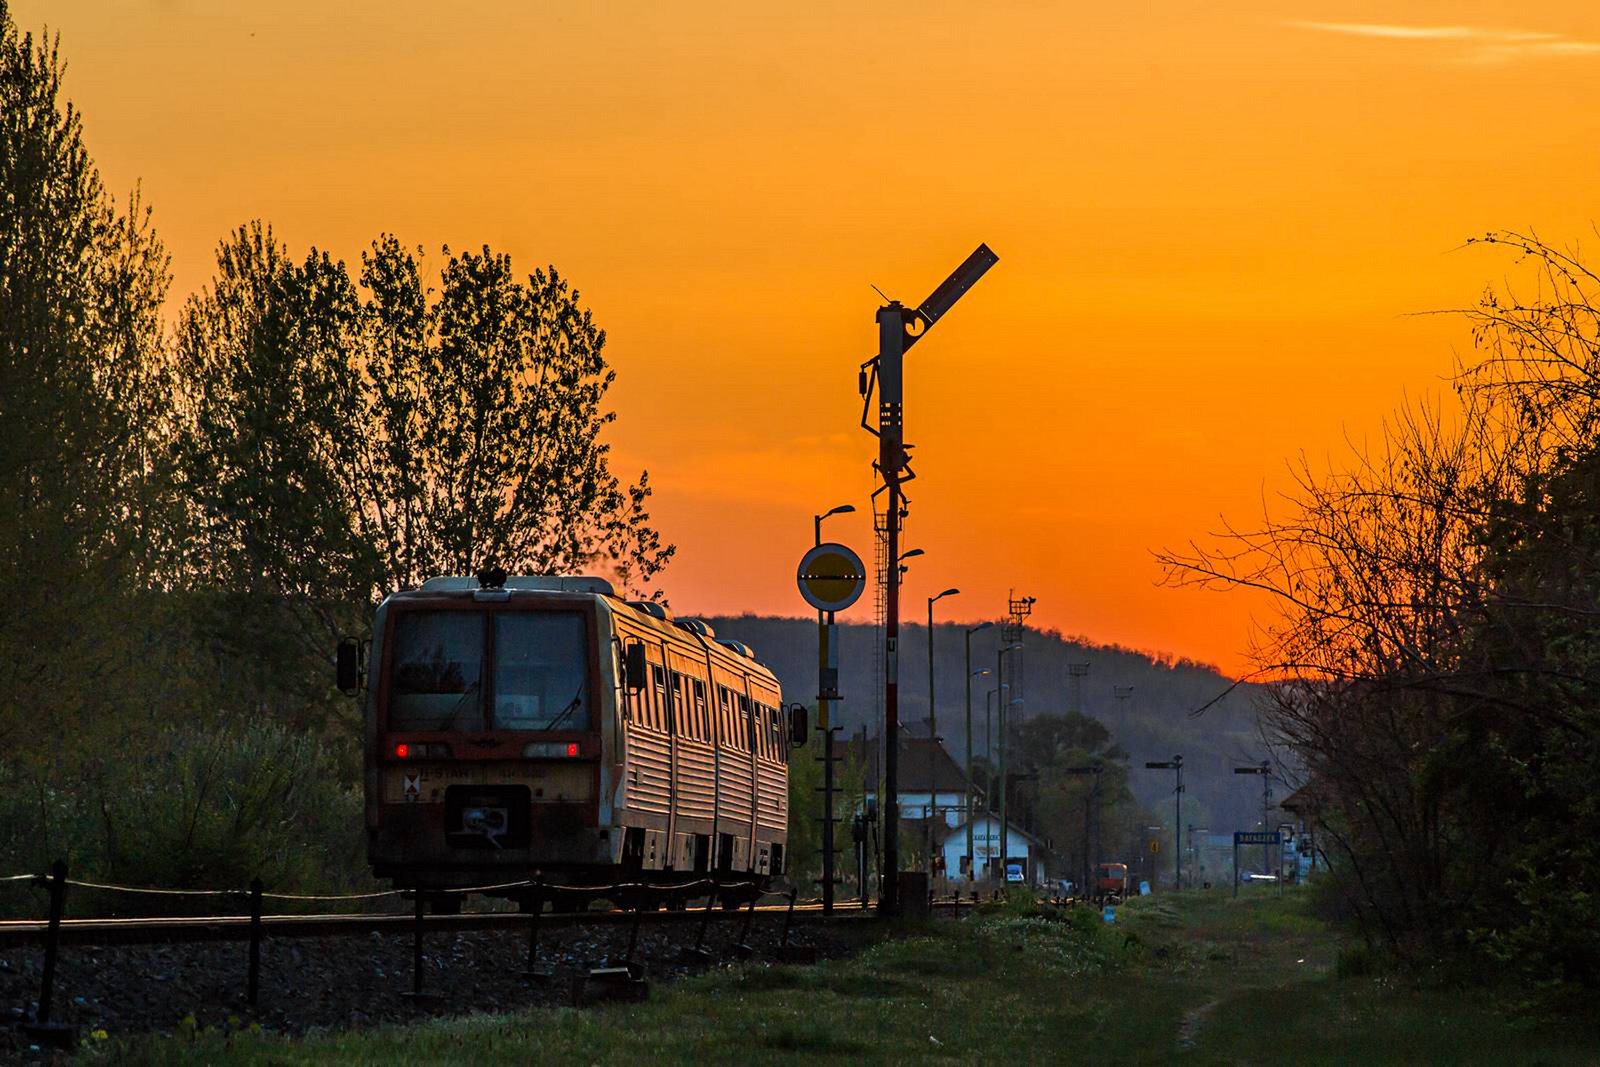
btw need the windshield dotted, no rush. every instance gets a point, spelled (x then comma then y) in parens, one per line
(442, 665)
(437, 679)
(541, 671)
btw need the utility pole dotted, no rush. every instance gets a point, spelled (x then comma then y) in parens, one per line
(899, 328)
(1091, 814)
(1175, 764)
(1123, 693)
(988, 755)
(1077, 672)
(933, 739)
(1264, 769)
(972, 857)
(999, 671)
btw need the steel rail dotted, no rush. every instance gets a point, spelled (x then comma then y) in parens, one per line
(184, 929)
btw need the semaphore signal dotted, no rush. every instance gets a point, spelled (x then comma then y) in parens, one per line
(900, 327)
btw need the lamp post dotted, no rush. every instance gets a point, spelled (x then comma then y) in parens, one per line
(1077, 672)
(972, 859)
(1264, 769)
(999, 672)
(1091, 814)
(842, 509)
(933, 738)
(989, 749)
(1123, 693)
(1199, 866)
(988, 724)
(988, 754)
(827, 684)
(1175, 764)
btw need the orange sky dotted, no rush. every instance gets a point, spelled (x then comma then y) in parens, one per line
(1212, 224)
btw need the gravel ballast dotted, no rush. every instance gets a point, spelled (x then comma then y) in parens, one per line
(357, 980)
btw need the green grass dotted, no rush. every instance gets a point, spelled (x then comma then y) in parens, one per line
(1198, 979)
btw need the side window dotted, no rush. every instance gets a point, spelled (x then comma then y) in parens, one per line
(725, 715)
(702, 717)
(680, 706)
(658, 690)
(752, 730)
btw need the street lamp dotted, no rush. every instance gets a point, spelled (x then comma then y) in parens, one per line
(988, 750)
(1175, 764)
(1264, 769)
(988, 725)
(1194, 854)
(1091, 813)
(972, 860)
(842, 509)
(999, 673)
(933, 738)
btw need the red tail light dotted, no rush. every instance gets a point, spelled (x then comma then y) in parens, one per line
(550, 749)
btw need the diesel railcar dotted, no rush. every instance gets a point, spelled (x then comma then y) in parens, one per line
(542, 727)
(1111, 881)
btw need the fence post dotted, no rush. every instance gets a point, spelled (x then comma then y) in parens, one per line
(534, 972)
(417, 997)
(41, 1029)
(635, 969)
(52, 938)
(788, 917)
(698, 953)
(253, 983)
(741, 948)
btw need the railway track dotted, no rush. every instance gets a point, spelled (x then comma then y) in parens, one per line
(181, 929)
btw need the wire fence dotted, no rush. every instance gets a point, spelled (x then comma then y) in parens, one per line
(534, 887)
(640, 894)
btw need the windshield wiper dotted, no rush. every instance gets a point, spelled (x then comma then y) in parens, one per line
(577, 701)
(461, 702)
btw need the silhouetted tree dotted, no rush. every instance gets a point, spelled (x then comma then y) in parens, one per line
(1439, 677)
(81, 285)
(342, 440)
(84, 650)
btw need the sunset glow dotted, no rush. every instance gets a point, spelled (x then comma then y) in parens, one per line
(1216, 226)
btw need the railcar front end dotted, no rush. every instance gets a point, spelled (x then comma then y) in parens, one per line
(486, 757)
(504, 742)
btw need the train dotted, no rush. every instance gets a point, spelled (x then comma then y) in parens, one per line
(1111, 881)
(543, 728)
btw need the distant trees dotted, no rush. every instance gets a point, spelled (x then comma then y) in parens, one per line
(1436, 651)
(1088, 816)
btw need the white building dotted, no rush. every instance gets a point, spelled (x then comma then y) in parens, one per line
(1021, 847)
(933, 786)
(931, 783)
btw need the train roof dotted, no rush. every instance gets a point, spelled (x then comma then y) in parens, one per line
(650, 613)
(543, 583)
